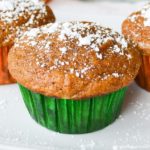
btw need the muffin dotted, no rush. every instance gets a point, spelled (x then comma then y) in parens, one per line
(137, 28)
(17, 16)
(73, 76)
(46, 1)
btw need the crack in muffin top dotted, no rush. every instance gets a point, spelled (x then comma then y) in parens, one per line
(18, 15)
(79, 59)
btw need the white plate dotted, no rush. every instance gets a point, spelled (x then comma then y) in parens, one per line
(18, 130)
(131, 131)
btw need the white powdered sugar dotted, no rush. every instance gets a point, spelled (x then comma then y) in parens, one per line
(85, 40)
(21, 15)
(145, 13)
(32, 43)
(63, 50)
(49, 28)
(115, 75)
(71, 70)
(99, 56)
(85, 35)
(11, 10)
(32, 34)
(7, 5)
(133, 18)
(77, 74)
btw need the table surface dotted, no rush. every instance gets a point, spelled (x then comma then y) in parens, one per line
(130, 131)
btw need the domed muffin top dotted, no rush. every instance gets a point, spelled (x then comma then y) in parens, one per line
(19, 15)
(73, 60)
(137, 28)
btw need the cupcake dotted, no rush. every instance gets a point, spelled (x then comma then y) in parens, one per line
(137, 28)
(17, 16)
(46, 1)
(73, 76)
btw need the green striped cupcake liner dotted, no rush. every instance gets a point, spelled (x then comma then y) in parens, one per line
(73, 116)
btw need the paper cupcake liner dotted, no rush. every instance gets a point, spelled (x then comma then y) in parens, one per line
(143, 78)
(5, 77)
(73, 116)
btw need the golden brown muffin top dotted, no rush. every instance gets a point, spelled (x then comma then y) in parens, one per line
(137, 28)
(73, 60)
(20, 15)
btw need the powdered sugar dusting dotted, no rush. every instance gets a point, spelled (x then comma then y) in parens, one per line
(11, 10)
(114, 75)
(83, 34)
(145, 13)
(84, 41)
(19, 16)
(86, 35)
(63, 50)
(6, 5)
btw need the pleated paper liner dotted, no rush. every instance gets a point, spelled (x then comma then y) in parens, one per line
(143, 77)
(5, 77)
(73, 116)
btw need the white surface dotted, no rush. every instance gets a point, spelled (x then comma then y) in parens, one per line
(131, 131)
(107, 13)
(19, 131)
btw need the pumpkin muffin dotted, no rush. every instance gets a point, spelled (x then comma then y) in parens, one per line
(46, 1)
(17, 16)
(73, 75)
(137, 28)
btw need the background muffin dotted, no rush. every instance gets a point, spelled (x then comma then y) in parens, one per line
(74, 74)
(137, 28)
(46, 1)
(17, 16)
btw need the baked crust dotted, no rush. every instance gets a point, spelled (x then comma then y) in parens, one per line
(17, 16)
(46, 1)
(137, 28)
(73, 60)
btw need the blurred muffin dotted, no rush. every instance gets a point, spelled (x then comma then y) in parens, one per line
(17, 16)
(73, 75)
(46, 1)
(137, 28)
